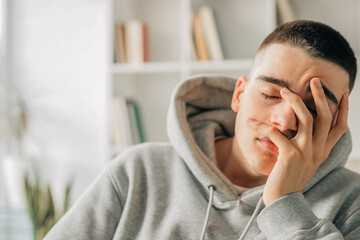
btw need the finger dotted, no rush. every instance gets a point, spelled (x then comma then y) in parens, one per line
(272, 133)
(341, 124)
(324, 117)
(305, 125)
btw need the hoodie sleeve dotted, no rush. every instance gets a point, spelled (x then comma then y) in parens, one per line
(94, 216)
(290, 217)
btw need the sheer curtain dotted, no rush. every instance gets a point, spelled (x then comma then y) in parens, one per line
(3, 69)
(3, 92)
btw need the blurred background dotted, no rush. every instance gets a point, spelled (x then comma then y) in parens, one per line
(80, 80)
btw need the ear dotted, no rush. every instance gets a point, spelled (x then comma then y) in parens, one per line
(239, 89)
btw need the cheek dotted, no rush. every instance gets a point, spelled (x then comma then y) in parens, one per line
(255, 108)
(250, 109)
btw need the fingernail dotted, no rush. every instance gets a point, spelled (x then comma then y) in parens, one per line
(285, 90)
(318, 83)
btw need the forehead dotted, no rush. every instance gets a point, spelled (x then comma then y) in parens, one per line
(296, 67)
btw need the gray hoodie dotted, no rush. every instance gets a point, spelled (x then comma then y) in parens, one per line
(176, 191)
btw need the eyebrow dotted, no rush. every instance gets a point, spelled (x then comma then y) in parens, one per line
(282, 83)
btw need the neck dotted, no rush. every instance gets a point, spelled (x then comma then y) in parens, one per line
(232, 163)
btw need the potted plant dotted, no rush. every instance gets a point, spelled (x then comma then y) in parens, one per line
(41, 206)
(24, 188)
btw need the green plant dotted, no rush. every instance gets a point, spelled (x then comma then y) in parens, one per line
(16, 118)
(41, 207)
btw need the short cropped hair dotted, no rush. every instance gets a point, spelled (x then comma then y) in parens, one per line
(319, 41)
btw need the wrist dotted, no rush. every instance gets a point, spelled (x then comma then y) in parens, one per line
(286, 216)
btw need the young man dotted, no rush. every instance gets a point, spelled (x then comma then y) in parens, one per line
(263, 160)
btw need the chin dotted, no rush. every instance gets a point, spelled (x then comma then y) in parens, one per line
(263, 165)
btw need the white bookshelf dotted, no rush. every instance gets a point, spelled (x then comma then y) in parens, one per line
(176, 67)
(149, 67)
(151, 83)
(226, 65)
(242, 25)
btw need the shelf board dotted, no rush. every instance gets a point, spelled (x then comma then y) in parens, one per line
(173, 67)
(148, 67)
(226, 65)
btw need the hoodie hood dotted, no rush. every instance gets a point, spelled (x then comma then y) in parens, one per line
(200, 110)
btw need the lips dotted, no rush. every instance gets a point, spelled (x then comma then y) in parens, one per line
(265, 139)
(268, 145)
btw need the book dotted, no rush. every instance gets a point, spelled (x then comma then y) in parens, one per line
(207, 20)
(120, 44)
(132, 118)
(145, 36)
(116, 133)
(136, 122)
(285, 11)
(126, 124)
(200, 43)
(136, 38)
(122, 125)
(193, 53)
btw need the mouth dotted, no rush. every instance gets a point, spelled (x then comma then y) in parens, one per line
(268, 145)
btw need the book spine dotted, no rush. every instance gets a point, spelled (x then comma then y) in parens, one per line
(134, 41)
(286, 11)
(116, 46)
(193, 53)
(120, 45)
(211, 34)
(145, 42)
(133, 122)
(140, 128)
(116, 124)
(136, 122)
(200, 39)
(124, 121)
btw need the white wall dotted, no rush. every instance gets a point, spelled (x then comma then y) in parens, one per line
(58, 53)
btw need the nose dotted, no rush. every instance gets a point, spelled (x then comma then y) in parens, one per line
(284, 119)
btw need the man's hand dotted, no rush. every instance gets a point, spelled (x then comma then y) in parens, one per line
(300, 156)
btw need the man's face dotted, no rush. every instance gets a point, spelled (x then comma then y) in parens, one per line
(259, 98)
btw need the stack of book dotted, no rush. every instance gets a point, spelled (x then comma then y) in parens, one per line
(131, 42)
(205, 43)
(127, 128)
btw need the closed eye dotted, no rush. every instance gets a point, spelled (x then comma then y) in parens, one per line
(269, 97)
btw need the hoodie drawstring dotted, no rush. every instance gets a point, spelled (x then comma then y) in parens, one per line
(212, 189)
(211, 198)
(255, 213)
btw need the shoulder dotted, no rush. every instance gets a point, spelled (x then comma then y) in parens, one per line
(145, 165)
(144, 160)
(341, 181)
(346, 178)
(340, 188)
(348, 216)
(350, 182)
(144, 154)
(344, 185)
